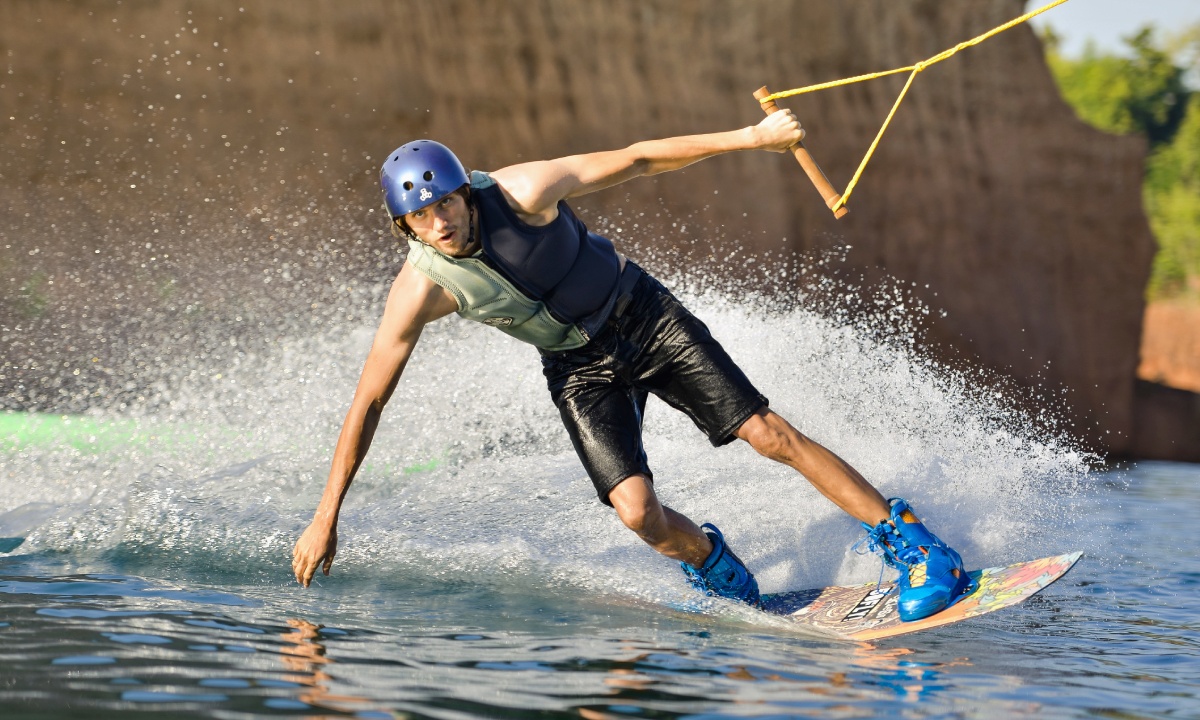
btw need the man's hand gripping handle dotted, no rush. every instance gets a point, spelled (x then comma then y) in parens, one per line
(806, 161)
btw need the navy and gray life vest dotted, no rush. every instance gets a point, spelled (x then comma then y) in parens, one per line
(552, 286)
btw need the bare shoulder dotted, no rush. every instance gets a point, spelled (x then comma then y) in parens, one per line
(533, 189)
(415, 301)
(523, 182)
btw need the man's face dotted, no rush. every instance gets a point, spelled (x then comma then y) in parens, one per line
(445, 226)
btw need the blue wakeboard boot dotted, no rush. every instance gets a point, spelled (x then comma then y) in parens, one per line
(932, 577)
(723, 574)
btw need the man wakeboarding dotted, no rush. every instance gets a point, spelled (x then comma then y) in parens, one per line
(505, 249)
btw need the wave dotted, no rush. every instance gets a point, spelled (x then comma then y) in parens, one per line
(471, 477)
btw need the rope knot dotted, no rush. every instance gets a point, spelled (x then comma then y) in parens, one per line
(915, 69)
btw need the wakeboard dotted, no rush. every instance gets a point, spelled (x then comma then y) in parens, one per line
(868, 612)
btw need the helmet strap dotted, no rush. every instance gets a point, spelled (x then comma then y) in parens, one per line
(471, 228)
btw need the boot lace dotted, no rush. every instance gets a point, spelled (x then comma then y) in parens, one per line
(893, 550)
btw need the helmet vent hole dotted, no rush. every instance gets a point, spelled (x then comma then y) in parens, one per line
(408, 185)
(428, 175)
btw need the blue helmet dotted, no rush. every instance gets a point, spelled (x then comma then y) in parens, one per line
(417, 174)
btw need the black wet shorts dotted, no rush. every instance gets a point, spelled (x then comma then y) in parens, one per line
(654, 346)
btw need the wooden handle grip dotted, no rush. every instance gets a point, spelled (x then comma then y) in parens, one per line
(811, 168)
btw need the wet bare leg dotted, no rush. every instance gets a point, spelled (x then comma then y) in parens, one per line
(663, 529)
(774, 437)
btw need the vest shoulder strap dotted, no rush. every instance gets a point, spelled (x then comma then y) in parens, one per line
(481, 180)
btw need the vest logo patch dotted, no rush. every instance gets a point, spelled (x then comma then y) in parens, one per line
(498, 321)
(425, 194)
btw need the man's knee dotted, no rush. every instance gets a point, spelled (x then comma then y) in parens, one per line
(637, 505)
(642, 519)
(771, 436)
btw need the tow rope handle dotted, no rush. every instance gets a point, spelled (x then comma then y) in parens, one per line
(811, 168)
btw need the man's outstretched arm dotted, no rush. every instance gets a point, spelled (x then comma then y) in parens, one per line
(534, 189)
(413, 302)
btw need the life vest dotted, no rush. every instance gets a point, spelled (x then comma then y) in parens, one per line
(552, 286)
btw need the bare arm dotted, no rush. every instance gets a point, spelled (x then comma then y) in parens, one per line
(414, 301)
(534, 189)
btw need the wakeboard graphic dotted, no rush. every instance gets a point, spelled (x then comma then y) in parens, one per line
(868, 612)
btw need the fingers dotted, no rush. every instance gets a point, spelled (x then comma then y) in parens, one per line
(789, 126)
(302, 569)
(305, 568)
(781, 130)
(302, 566)
(316, 547)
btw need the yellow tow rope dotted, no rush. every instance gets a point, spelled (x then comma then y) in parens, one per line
(914, 70)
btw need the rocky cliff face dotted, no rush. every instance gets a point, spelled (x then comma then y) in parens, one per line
(125, 127)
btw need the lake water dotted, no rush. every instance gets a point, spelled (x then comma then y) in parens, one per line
(479, 577)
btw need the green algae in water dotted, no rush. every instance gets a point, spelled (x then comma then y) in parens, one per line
(19, 431)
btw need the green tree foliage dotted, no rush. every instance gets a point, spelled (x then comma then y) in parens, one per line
(1172, 197)
(1146, 92)
(1143, 93)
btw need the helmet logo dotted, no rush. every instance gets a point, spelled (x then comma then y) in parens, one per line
(425, 194)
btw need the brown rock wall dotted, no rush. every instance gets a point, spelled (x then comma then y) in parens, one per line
(1025, 223)
(1171, 345)
(1166, 423)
